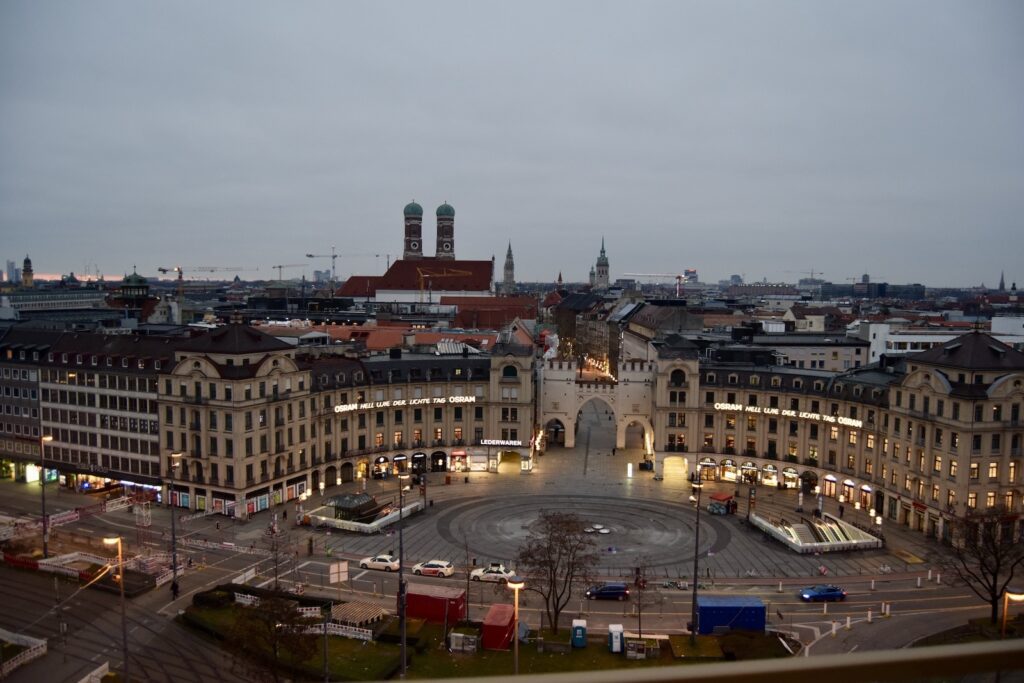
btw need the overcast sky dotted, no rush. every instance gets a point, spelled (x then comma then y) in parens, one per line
(758, 138)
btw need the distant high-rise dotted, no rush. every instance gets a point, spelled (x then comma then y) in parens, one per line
(12, 272)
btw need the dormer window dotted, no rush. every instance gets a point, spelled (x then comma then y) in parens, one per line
(776, 381)
(755, 380)
(124, 362)
(798, 384)
(93, 361)
(110, 362)
(734, 379)
(142, 364)
(819, 386)
(196, 365)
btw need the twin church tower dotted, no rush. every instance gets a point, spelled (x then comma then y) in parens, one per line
(445, 250)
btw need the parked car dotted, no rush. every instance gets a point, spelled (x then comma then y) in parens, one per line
(608, 591)
(822, 593)
(434, 568)
(492, 572)
(388, 563)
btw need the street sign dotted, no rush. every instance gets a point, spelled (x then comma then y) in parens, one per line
(338, 572)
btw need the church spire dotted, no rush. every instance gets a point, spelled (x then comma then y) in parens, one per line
(1002, 282)
(508, 285)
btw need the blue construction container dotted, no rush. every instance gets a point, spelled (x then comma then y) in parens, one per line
(737, 613)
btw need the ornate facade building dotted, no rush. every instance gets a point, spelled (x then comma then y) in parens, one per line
(235, 420)
(918, 440)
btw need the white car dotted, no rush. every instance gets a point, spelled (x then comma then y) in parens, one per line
(434, 568)
(492, 572)
(388, 563)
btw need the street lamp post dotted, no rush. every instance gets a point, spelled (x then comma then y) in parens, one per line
(696, 556)
(42, 488)
(1008, 595)
(175, 461)
(124, 620)
(516, 583)
(402, 478)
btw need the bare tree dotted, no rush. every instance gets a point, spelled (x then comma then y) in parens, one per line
(555, 557)
(986, 555)
(271, 637)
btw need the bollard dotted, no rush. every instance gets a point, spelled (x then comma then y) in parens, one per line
(938, 579)
(929, 574)
(824, 607)
(919, 582)
(872, 584)
(847, 623)
(869, 615)
(780, 587)
(835, 624)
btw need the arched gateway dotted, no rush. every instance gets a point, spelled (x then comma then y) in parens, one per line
(627, 402)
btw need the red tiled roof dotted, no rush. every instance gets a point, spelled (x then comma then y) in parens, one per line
(438, 275)
(359, 286)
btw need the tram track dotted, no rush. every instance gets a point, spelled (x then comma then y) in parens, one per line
(162, 651)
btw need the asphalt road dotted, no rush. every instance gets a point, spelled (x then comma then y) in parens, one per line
(651, 523)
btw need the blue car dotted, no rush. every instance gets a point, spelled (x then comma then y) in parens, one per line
(822, 593)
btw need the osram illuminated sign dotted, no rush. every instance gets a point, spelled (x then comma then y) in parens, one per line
(799, 414)
(401, 402)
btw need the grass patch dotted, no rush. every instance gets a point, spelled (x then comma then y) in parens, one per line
(348, 659)
(706, 648)
(11, 649)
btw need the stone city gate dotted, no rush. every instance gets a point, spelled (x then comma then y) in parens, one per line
(564, 392)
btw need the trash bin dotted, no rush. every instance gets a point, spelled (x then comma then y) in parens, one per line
(615, 638)
(579, 632)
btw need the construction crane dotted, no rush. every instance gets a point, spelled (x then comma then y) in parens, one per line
(679, 278)
(282, 266)
(812, 272)
(333, 256)
(429, 274)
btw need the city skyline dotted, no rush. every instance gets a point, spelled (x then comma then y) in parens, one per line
(762, 140)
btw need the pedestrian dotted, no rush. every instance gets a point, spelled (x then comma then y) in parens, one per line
(218, 526)
(189, 561)
(841, 511)
(175, 589)
(285, 513)
(613, 450)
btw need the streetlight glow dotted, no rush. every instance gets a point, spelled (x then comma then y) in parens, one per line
(175, 462)
(516, 583)
(43, 440)
(696, 557)
(402, 478)
(1009, 594)
(116, 540)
